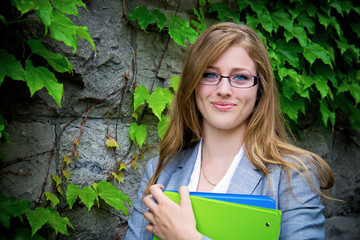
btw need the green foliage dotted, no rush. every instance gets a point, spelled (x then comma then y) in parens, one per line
(313, 48)
(112, 196)
(9, 208)
(52, 198)
(40, 216)
(137, 133)
(158, 102)
(105, 190)
(52, 14)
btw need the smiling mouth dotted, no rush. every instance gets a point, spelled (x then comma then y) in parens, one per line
(223, 106)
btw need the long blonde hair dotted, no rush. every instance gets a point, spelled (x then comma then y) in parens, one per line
(266, 140)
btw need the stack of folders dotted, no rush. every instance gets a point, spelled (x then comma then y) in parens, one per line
(233, 216)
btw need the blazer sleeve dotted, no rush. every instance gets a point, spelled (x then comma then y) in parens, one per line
(301, 207)
(137, 222)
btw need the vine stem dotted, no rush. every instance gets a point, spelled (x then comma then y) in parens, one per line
(121, 232)
(52, 152)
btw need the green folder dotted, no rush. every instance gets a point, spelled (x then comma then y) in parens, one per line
(222, 220)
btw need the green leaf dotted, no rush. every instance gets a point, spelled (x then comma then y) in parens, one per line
(122, 166)
(282, 18)
(80, 3)
(163, 126)
(72, 193)
(51, 197)
(291, 83)
(37, 78)
(288, 52)
(111, 142)
(56, 179)
(157, 101)
(25, 233)
(326, 114)
(304, 20)
(251, 21)
(56, 60)
(10, 66)
(83, 32)
(141, 94)
(3, 19)
(200, 24)
(66, 174)
(292, 107)
(243, 4)
(39, 216)
(169, 97)
(162, 20)
(300, 34)
(313, 51)
(66, 6)
(44, 12)
(353, 88)
(87, 196)
(326, 72)
(113, 196)
(175, 82)
(119, 177)
(180, 30)
(9, 207)
(356, 28)
(143, 15)
(67, 160)
(24, 6)
(224, 14)
(63, 29)
(355, 118)
(134, 164)
(265, 20)
(322, 86)
(137, 133)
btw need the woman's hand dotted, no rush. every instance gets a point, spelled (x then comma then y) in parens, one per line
(169, 220)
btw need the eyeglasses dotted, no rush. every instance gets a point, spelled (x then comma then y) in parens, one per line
(236, 80)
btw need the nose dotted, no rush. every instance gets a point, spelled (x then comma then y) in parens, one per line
(224, 88)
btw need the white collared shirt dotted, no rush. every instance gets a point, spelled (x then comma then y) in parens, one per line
(224, 183)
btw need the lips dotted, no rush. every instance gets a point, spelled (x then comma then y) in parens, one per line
(223, 106)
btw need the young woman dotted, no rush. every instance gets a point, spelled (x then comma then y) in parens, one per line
(227, 135)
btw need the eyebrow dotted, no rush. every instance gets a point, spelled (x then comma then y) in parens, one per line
(232, 70)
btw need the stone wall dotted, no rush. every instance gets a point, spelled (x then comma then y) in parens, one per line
(36, 125)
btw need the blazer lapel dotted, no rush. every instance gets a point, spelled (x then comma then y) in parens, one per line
(182, 174)
(245, 179)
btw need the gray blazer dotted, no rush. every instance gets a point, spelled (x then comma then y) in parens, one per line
(302, 218)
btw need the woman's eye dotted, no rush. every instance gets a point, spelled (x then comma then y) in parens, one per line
(241, 77)
(210, 75)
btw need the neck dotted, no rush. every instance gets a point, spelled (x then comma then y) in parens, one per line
(221, 146)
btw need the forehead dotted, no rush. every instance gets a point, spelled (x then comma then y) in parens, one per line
(233, 58)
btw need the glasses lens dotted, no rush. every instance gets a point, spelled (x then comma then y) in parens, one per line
(210, 78)
(242, 81)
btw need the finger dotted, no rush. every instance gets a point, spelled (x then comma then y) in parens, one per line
(157, 192)
(149, 202)
(160, 186)
(149, 216)
(150, 228)
(185, 200)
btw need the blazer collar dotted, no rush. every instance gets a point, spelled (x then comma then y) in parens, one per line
(245, 179)
(182, 174)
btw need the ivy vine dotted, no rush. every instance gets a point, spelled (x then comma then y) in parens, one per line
(313, 49)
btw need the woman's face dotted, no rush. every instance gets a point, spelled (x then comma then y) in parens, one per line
(222, 106)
